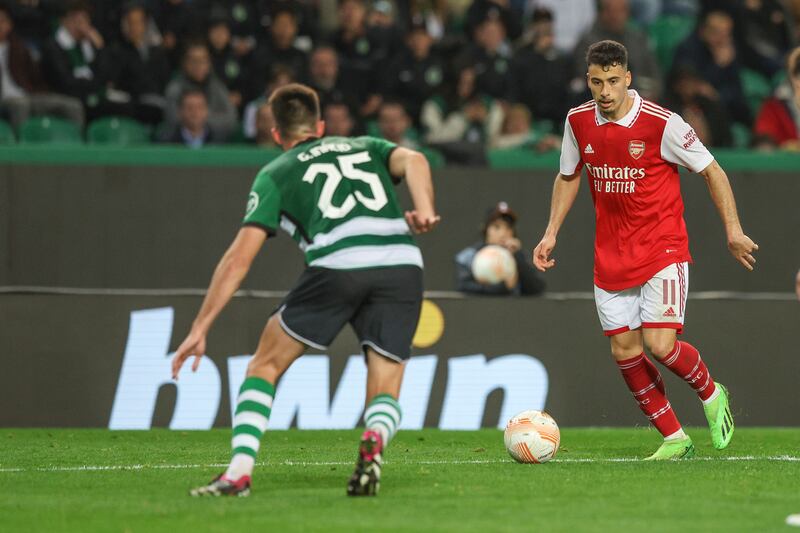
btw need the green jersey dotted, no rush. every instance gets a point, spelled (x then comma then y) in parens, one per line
(335, 197)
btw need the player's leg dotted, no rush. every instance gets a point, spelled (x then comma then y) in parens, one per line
(275, 353)
(663, 314)
(619, 313)
(312, 314)
(385, 324)
(381, 419)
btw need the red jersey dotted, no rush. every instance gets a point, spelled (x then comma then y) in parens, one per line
(632, 170)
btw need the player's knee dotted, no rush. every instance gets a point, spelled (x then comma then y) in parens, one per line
(265, 367)
(662, 349)
(621, 353)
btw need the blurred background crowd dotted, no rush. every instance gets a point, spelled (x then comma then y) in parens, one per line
(461, 76)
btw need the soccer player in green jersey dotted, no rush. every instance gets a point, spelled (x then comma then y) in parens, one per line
(335, 197)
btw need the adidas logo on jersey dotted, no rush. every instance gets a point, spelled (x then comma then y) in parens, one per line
(588, 149)
(669, 313)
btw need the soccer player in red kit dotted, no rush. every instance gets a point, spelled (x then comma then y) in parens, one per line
(631, 149)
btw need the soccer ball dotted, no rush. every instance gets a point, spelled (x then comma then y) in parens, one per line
(532, 437)
(493, 264)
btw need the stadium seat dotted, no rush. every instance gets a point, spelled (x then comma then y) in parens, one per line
(6, 133)
(741, 136)
(117, 130)
(756, 88)
(47, 129)
(666, 33)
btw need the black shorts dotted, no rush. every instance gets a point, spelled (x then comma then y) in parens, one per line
(382, 305)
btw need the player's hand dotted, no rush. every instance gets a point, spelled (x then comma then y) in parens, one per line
(742, 248)
(194, 345)
(541, 254)
(421, 223)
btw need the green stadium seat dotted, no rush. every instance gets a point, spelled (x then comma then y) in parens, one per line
(741, 136)
(756, 88)
(666, 33)
(6, 133)
(47, 129)
(117, 130)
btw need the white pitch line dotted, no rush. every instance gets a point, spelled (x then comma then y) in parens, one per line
(106, 468)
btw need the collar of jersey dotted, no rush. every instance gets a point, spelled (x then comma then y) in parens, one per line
(626, 121)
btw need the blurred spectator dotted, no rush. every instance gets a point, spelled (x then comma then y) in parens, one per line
(280, 76)
(698, 103)
(499, 229)
(540, 73)
(22, 89)
(490, 57)
(517, 132)
(179, 21)
(382, 20)
(228, 65)
(265, 123)
(244, 25)
(572, 19)
(193, 129)
(778, 122)
(360, 54)
(464, 117)
(644, 12)
(338, 120)
(763, 30)
(711, 50)
(75, 61)
(197, 74)
(138, 69)
(324, 77)
(613, 24)
(416, 74)
(481, 10)
(307, 16)
(279, 49)
(395, 124)
(434, 14)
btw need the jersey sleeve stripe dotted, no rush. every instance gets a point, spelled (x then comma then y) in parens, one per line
(652, 113)
(580, 110)
(270, 231)
(657, 111)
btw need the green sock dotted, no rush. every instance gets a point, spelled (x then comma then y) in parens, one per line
(253, 408)
(383, 415)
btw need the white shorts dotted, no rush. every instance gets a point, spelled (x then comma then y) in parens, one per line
(659, 303)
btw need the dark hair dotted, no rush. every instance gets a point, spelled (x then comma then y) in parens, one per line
(75, 6)
(193, 43)
(191, 91)
(294, 106)
(607, 54)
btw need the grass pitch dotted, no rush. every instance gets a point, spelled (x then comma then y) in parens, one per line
(96, 480)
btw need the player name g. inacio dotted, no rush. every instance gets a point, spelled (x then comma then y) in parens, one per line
(321, 149)
(606, 172)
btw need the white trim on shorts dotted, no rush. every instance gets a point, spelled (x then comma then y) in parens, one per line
(646, 305)
(297, 336)
(381, 351)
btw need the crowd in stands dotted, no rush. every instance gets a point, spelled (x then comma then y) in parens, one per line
(461, 76)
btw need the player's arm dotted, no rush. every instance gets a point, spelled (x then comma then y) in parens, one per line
(413, 166)
(228, 276)
(565, 189)
(739, 244)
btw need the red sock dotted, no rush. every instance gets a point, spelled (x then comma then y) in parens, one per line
(645, 387)
(655, 375)
(686, 363)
